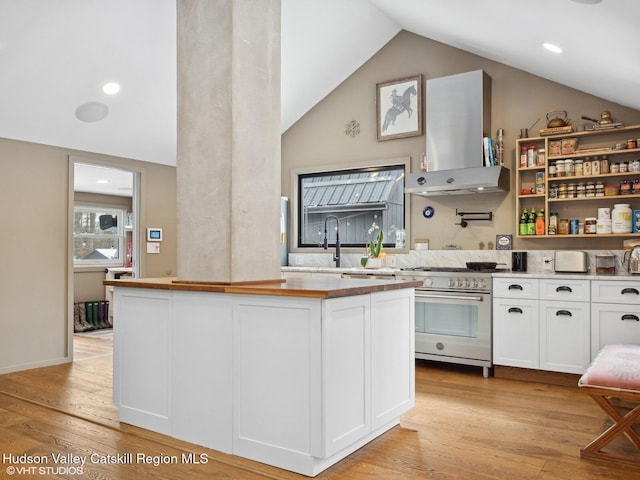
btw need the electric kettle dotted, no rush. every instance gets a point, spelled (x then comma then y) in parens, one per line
(632, 259)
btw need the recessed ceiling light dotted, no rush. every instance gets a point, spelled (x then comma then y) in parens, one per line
(111, 88)
(551, 47)
(92, 112)
(588, 2)
(102, 181)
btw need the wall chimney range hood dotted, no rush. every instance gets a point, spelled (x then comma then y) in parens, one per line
(458, 117)
(462, 181)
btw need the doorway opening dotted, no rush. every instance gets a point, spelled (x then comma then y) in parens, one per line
(104, 242)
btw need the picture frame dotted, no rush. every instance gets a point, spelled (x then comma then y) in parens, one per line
(399, 108)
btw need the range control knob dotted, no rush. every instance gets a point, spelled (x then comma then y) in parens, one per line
(427, 282)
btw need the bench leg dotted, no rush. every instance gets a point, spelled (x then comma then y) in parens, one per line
(622, 424)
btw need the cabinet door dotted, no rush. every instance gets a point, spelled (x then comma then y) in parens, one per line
(201, 350)
(613, 323)
(141, 366)
(276, 377)
(346, 385)
(516, 287)
(565, 289)
(392, 355)
(515, 333)
(564, 336)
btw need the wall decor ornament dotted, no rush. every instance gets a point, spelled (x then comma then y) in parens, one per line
(352, 128)
(399, 108)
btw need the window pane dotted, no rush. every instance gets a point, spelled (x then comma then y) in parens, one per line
(96, 248)
(98, 235)
(364, 200)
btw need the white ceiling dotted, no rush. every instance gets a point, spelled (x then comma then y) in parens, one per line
(56, 55)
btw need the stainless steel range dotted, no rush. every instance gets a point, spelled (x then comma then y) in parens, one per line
(453, 315)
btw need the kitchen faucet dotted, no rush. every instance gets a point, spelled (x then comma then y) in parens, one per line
(336, 256)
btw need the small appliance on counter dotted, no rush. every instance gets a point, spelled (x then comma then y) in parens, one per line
(632, 260)
(519, 261)
(606, 264)
(571, 261)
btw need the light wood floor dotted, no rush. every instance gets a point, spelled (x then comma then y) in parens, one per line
(463, 427)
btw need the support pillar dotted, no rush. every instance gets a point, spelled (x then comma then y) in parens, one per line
(228, 165)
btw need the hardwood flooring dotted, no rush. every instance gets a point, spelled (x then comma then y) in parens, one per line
(463, 427)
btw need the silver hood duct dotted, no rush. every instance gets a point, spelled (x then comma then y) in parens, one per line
(458, 117)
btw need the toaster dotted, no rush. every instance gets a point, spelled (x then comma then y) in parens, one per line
(571, 261)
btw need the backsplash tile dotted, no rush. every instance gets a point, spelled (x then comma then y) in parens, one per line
(536, 259)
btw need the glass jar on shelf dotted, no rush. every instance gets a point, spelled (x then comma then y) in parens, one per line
(577, 166)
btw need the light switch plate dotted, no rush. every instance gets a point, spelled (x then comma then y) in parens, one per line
(153, 247)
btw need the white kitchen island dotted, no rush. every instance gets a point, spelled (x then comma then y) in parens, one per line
(296, 375)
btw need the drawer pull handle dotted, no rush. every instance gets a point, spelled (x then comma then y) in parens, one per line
(566, 313)
(515, 287)
(515, 310)
(630, 317)
(630, 290)
(564, 288)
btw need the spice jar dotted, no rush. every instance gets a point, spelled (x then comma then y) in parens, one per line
(615, 167)
(604, 165)
(634, 166)
(577, 167)
(631, 143)
(523, 156)
(540, 159)
(581, 190)
(599, 189)
(569, 169)
(553, 191)
(624, 167)
(595, 167)
(586, 170)
(571, 190)
(552, 170)
(560, 168)
(590, 225)
(532, 154)
(590, 189)
(562, 190)
(625, 187)
(563, 226)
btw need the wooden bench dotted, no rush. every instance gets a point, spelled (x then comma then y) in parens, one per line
(614, 376)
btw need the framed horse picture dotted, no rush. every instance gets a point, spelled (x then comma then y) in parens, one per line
(399, 108)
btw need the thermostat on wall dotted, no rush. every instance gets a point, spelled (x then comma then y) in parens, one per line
(154, 234)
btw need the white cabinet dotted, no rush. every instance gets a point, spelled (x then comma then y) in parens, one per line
(141, 366)
(392, 355)
(615, 313)
(294, 382)
(516, 287)
(564, 336)
(541, 324)
(564, 325)
(201, 368)
(515, 332)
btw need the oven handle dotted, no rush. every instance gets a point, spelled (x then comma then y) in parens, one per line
(450, 297)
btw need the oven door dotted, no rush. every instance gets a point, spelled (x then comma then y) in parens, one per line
(453, 324)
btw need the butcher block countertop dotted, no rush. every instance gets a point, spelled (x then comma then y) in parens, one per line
(293, 287)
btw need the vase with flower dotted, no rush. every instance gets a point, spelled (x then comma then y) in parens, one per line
(374, 257)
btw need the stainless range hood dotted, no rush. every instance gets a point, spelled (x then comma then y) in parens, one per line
(460, 181)
(458, 117)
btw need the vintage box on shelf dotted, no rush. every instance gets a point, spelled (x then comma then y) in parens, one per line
(569, 146)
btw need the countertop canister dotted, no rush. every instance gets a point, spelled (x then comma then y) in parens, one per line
(621, 218)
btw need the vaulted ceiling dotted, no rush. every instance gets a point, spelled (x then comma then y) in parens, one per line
(56, 55)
